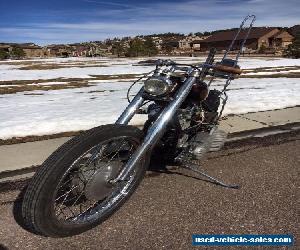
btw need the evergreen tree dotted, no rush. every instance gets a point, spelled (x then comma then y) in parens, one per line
(118, 49)
(136, 48)
(17, 53)
(167, 47)
(198, 34)
(150, 47)
(293, 50)
(262, 49)
(3, 54)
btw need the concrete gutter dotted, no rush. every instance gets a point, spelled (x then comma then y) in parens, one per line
(22, 159)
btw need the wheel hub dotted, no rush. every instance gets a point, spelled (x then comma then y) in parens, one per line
(99, 187)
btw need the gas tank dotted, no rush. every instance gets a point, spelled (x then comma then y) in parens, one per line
(199, 92)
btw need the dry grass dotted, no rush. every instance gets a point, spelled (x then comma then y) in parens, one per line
(31, 85)
(20, 62)
(276, 75)
(271, 69)
(32, 138)
(114, 77)
(25, 85)
(58, 66)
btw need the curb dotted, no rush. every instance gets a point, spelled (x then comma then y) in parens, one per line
(234, 140)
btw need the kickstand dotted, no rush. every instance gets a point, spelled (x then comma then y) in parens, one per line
(214, 180)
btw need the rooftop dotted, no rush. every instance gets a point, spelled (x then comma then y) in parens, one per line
(256, 32)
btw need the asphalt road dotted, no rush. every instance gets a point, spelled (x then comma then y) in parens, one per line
(169, 207)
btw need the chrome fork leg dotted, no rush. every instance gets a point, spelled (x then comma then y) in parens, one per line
(133, 106)
(157, 130)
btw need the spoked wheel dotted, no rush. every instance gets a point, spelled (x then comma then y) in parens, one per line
(72, 192)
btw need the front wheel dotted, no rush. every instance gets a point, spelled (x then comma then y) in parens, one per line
(71, 192)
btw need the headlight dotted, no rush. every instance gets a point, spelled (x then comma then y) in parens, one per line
(157, 85)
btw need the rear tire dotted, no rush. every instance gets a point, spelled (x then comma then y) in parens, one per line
(38, 208)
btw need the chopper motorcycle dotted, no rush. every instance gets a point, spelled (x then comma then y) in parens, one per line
(89, 177)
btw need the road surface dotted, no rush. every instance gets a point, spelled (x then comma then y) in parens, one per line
(169, 207)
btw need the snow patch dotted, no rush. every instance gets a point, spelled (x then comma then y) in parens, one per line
(46, 112)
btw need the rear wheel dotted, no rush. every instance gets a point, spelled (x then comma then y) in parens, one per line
(71, 192)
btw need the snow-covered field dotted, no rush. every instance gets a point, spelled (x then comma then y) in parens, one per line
(41, 112)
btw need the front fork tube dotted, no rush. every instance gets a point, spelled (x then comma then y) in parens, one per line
(131, 109)
(157, 129)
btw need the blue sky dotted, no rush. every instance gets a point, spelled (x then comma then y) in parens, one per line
(67, 21)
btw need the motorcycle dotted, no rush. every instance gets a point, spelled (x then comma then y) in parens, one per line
(89, 177)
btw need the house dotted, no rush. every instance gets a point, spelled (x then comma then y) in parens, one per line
(280, 40)
(80, 50)
(89, 49)
(58, 50)
(31, 50)
(95, 51)
(295, 30)
(187, 42)
(5, 47)
(259, 37)
(158, 42)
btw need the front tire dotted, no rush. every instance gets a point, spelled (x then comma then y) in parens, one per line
(66, 181)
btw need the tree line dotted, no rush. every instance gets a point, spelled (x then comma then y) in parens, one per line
(137, 47)
(144, 46)
(14, 53)
(293, 50)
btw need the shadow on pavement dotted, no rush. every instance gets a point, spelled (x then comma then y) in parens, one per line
(2, 247)
(157, 166)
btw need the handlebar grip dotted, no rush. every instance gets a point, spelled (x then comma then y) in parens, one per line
(228, 69)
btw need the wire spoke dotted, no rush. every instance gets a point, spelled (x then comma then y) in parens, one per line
(87, 209)
(73, 203)
(91, 178)
(67, 193)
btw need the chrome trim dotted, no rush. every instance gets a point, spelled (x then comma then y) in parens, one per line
(158, 128)
(132, 107)
(168, 84)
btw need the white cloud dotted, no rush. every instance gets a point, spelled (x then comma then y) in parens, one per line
(185, 17)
